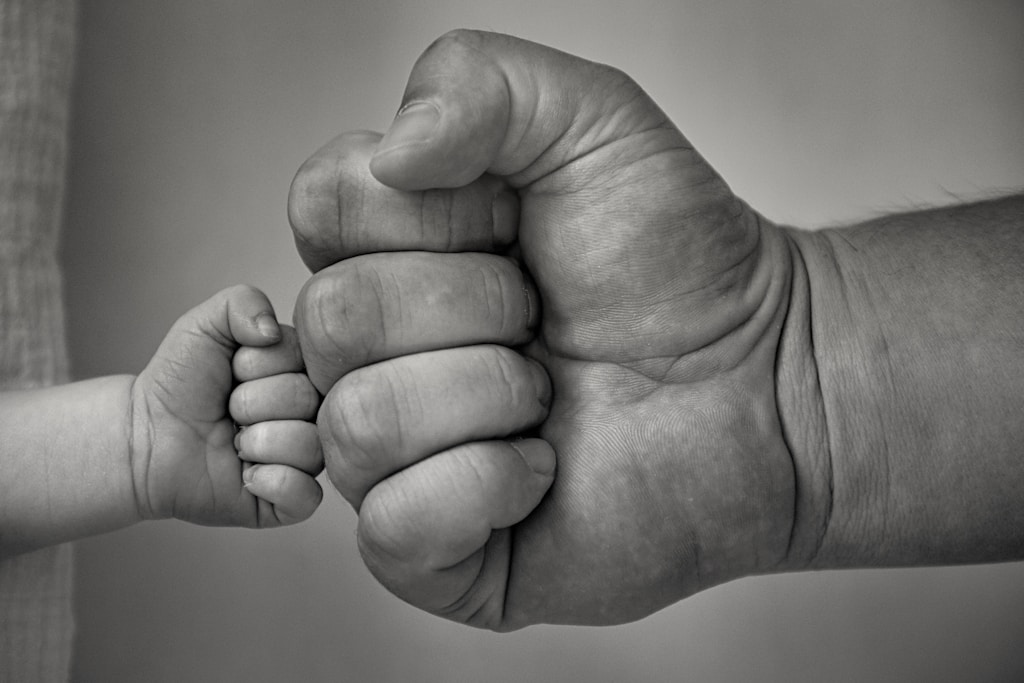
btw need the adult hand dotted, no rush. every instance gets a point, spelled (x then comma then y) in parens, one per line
(531, 216)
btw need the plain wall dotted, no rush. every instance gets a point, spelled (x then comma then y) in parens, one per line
(190, 121)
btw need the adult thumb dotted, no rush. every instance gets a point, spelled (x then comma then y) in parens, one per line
(637, 246)
(481, 102)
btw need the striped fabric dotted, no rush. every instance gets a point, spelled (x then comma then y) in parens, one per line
(36, 52)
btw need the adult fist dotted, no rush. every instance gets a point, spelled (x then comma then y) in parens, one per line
(534, 249)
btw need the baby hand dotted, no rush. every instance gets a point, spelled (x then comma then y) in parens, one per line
(223, 432)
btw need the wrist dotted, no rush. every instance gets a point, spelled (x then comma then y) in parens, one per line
(913, 334)
(140, 440)
(802, 414)
(68, 446)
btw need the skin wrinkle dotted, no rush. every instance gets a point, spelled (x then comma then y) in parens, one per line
(843, 280)
(342, 430)
(523, 178)
(885, 451)
(719, 281)
(616, 169)
(468, 39)
(451, 219)
(330, 330)
(573, 181)
(487, 600)
(459, 603)
(339, 206)
(362, 186)
(493, 294)
(364, 278)
(828, 522)
(400, 312)
(755, 254)
(380, 549)
(508, 378)
(502, 589)
(822, 526)
(427, 198)
(484, 604)
(608, 138)
(787, 437)
(143, 507)
(395, 398)
(752, 252)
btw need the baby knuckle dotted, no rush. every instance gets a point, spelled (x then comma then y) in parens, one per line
(305, 397)
(455, 40)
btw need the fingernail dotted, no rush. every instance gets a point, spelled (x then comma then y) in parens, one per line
(268, 327)
(531, 303)
(539, 456)
(249, 476)
(415, 122)
(543, 382)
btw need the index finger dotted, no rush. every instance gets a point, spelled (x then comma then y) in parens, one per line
(253, 362)
(337, 209)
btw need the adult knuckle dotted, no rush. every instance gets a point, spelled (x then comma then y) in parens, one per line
(354, 422)
(340, 319)
(325, 198)
(384, 536)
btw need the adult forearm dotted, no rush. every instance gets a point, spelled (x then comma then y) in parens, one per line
(917, 327)
(64, 456)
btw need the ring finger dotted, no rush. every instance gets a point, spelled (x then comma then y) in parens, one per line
(379, 306)
(384, 417)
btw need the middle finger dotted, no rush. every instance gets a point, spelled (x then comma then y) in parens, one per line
(379, 306)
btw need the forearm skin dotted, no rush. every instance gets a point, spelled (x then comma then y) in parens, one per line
(914, 328)
(64, 453)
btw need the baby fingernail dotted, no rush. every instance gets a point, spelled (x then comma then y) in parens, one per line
(249, 475)
(268, 327)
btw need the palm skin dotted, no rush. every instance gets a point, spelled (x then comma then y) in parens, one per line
(659, 305)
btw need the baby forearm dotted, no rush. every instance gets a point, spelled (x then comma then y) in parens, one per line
(65, 455)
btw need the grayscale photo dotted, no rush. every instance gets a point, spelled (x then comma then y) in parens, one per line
(493, 342)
